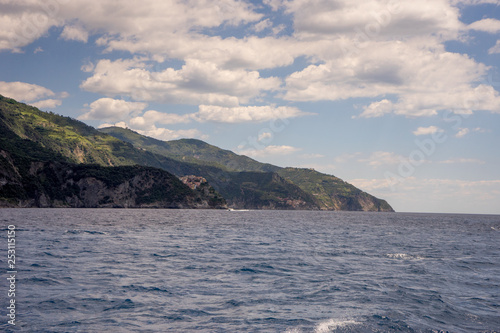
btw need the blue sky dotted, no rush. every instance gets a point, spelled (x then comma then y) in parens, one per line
(402, 99)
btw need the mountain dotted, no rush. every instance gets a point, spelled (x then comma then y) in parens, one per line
(39, 153)
(244, 182)
(190, 150)
(333, 193)
(67, 140)
(75, 142)
(325, 191)
(240, 180)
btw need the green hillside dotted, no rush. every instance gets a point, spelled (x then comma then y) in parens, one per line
(32, 175)
(73, 140)
(29, 135)
(191, 150)
(333, 193)
(68, 140)
(325, 191)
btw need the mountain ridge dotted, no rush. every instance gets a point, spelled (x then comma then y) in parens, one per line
(200, 151)
(240, 180)
(327, 191)
(35, 172)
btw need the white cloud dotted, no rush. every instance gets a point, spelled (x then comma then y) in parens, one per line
(170, 28)
(274, 4)
(377, 109)
(129, 19)
(112, 109)
(381, 48)
(47, 104)
(368, 49)
(270, 151)
(263, 25)
(278, 29)
(25, 92)
(265, 136)
(174, 30)
(495, 49)
(22, 22)
(87, 67)
(130, 114)
(380, 158)
(159, 133)
(73, 32)
(424, 77)
(121, 124)
(151, 117)
(166, 134)
(462, 160)
(473, 2)
(488, 25)
(246, 113)
(462, 132)
(267, 24)
(394, 19)
(480, 130)
(195, 83)
(32, 94)
(427, 130)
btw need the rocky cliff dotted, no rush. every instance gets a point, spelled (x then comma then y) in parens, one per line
(57, 184)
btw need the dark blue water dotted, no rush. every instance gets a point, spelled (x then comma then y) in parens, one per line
(258, 271)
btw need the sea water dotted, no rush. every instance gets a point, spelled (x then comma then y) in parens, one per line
(125, 270)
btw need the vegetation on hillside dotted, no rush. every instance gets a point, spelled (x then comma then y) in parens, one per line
(32, 135)
(38, 167)
(191, 150)
(76, 142)
(333, 193)
(317, 189)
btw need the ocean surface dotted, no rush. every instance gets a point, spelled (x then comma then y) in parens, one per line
(119, 270)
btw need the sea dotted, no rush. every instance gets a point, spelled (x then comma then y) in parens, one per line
(140, 270)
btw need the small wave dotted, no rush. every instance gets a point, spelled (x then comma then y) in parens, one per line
(139, 288)
(246, 270)
(42, 281)
(332, 324)
(38, 265)
(90, 232)
(403, 256)
(163, 256)
(193, 312)
(58, 304)
(293, 330)
(234, 303)
(125, 304)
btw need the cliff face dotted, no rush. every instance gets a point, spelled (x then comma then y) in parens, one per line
(57, 184)
(264, 190)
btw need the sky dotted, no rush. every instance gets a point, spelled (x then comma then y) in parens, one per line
(399, 98)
